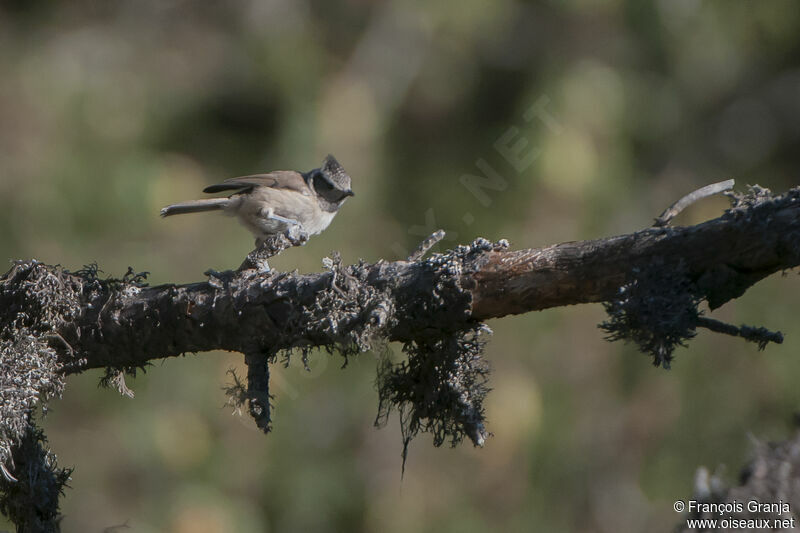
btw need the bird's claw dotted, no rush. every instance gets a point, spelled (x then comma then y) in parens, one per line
(296, 235)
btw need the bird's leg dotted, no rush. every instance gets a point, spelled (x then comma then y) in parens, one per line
(272, 245)
(270, 215)
(294, 232)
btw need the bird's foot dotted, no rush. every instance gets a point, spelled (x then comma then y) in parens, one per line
(296, 235)
(294, 231)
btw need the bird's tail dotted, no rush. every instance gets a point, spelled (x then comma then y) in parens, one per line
(195, 206)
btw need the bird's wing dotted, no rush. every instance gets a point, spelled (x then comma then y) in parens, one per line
(280, 179)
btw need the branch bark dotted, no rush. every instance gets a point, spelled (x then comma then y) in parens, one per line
(54, 322)
(246, 311)
(725, 256)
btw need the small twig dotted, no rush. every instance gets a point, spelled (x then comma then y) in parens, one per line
(335, 287)
(426, 245)
(57, 336)
(258, 389)
(272, 246)
(108, 301)
(762, 336)
(703, 192)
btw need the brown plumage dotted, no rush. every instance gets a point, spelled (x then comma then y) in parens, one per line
(280, 179)
(272, 203)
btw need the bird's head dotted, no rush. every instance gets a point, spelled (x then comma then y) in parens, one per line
(330, 181)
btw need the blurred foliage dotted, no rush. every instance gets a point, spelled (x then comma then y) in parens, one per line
(110, 110)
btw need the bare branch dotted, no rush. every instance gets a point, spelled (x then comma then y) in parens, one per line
(724, 257)
(703, 192)
(426, 245)
(762, 336)
(258, 389)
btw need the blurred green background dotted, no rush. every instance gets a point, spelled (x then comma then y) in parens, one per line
(111, 110)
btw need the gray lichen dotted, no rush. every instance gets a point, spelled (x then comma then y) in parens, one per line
(441, 386)
(657, 310)
(36, 303)
(33, 499)
(30, 375)
(439, 389)
(351, 311)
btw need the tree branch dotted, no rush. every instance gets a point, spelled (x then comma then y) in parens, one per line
(54, 322)
(723, 257)
(694, 196)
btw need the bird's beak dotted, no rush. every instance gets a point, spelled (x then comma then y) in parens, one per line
(349, 192)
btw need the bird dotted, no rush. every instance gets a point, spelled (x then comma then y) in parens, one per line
(283, 201)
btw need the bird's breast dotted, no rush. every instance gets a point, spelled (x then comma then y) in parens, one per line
(254, 207)
(318, 223)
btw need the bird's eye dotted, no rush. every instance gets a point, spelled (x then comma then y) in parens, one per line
(321, 183)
